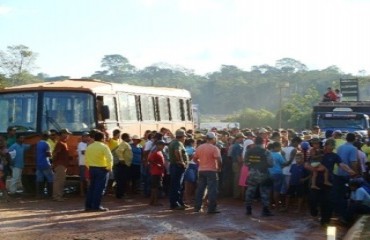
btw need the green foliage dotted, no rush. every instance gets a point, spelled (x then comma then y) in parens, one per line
(250, 118)
(296, 113)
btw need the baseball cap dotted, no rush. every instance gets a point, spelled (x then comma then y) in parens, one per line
(85, 134)
(11, 128)
(64, 131)
(337, 132)
(180, 133)
(262, 130)
(211, 135)
(240, 135)
(135, 137)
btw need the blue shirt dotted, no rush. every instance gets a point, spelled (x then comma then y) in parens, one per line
(348, 153)
(137, 153)
(236, 151)
(278, 161)
(18, 161)
(42, 159)
(297, 173)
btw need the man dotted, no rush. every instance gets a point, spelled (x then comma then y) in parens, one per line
(337, 136)
(52, 140)
(43, 166)
(11, 136)
(348, 154)
(178, 160)
(60, 164)
(17, 162)
(325, 197)
(329, 96)
(259, 160)
(316, 131)
(209, 158)
(289, 153)
(99, 161)
(137, 155)
(81, 149)
(237, 162)
(122, 168)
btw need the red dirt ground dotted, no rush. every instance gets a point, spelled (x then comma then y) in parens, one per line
(29, 218)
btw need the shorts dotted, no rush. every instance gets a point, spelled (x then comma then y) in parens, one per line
(156, 181)
(277, 182)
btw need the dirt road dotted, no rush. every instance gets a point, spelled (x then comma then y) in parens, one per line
(29, 218)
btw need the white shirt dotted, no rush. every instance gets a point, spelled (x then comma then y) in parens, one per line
(81, 147)
(246, 143)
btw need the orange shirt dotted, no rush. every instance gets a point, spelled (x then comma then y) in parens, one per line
(207, 155)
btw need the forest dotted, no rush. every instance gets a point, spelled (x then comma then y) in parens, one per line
(254, 97)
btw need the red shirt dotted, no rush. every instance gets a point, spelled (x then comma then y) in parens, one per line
(156, 161)
(331, 95)
(60, 154)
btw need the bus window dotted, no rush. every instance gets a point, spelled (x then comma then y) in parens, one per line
(164, 111)
(175, 109)
(147, 108)
(127, 107)
(110, 102)
(71, 110)
(20, 111)
(189, 115)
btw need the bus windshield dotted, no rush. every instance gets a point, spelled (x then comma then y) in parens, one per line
(358, 123)
(18, 110)
(72, 110)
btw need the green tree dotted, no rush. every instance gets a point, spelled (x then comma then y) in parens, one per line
(297, 112)
(16, 63)
(250, 118)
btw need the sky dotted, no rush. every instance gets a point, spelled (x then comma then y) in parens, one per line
(72, 36)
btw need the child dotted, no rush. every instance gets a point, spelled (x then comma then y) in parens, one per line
(316, 154)
(156, 164)
(298, 181)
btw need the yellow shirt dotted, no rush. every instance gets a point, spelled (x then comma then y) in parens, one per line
(366, 149)
(51, 144)
(338, 143)
(98, 155)
(113, 143)
(124, 153)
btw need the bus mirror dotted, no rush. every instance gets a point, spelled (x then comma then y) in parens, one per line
(105, 112)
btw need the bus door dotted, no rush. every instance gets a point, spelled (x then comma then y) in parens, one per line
(107, 111)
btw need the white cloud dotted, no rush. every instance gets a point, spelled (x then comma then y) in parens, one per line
(5, 10)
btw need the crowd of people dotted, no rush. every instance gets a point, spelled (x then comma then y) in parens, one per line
(325, 175)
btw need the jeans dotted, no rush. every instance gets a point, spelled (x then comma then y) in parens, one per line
(42, 174)
(207, 179)
(340, 195)
(98, 177)
(145, 179)
(122, 176)
(176, 188)
(321, 198)
(15, 180)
